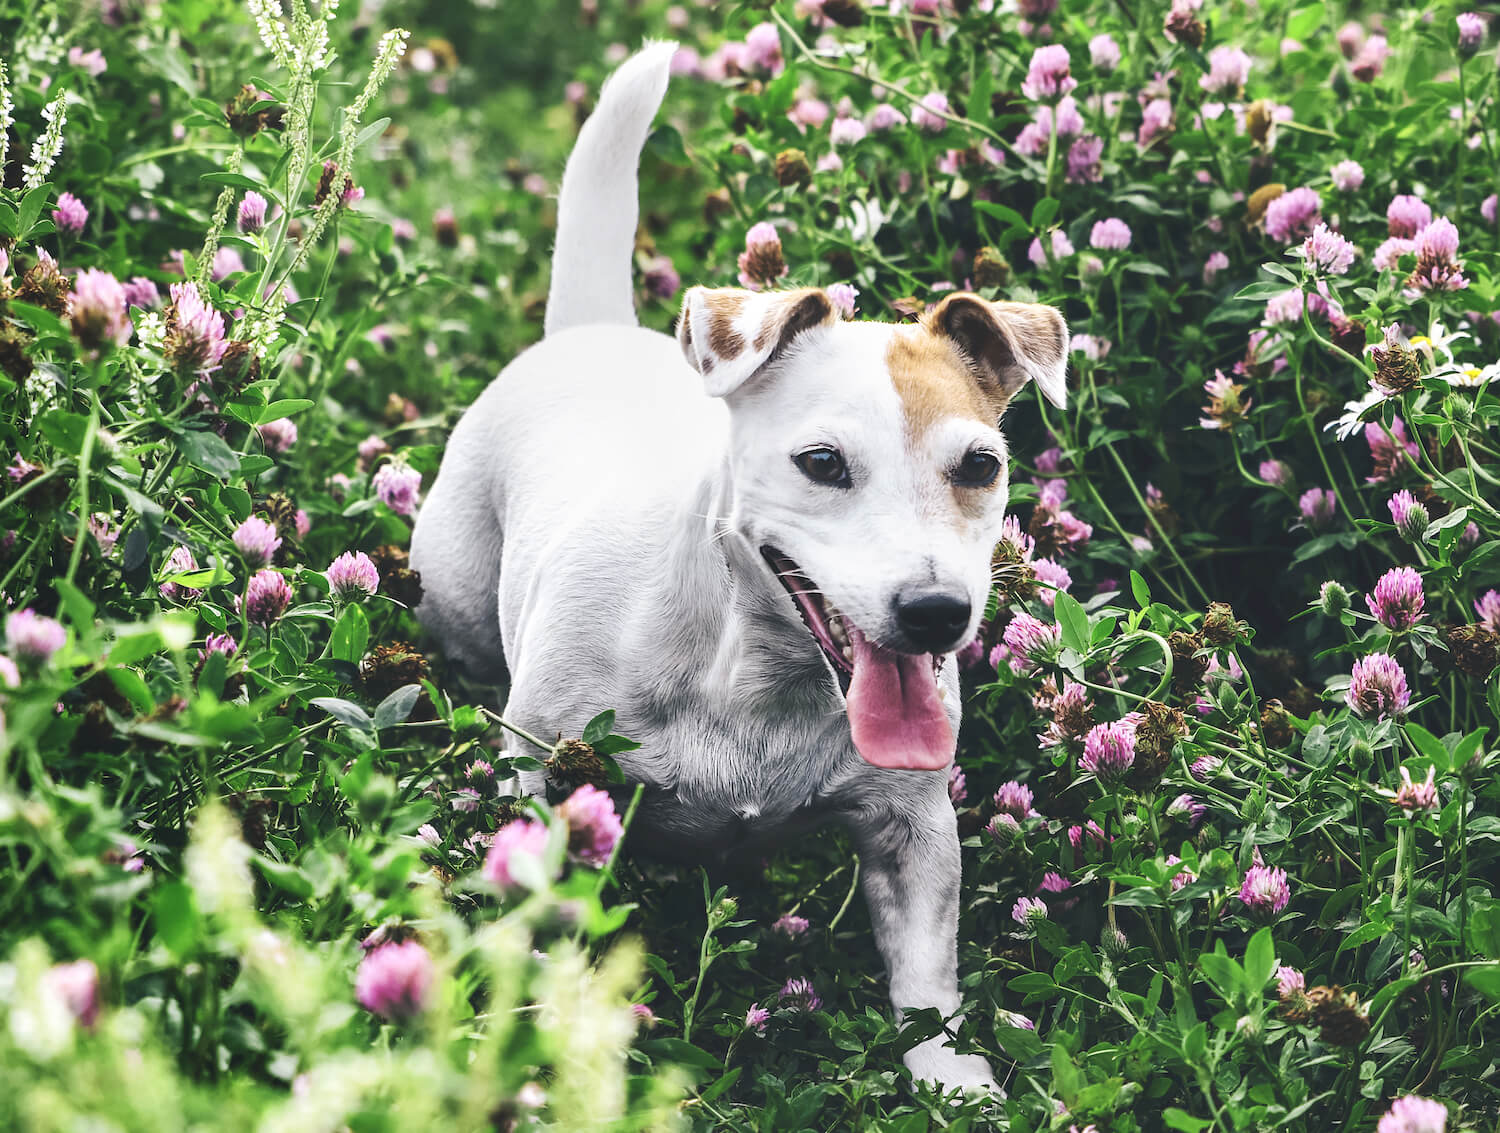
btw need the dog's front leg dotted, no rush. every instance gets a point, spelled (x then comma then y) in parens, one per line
(909, 862)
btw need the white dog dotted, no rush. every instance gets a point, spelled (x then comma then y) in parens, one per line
(760, 544)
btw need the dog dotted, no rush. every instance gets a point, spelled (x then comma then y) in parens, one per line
(760, 543)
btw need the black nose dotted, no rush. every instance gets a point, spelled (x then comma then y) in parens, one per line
(932, 620)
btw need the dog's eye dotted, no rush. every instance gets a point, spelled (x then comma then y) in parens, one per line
(823, 466)
(977, 470)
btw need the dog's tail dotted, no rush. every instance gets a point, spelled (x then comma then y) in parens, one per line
(598, 207)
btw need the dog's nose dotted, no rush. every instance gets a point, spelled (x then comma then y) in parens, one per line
(932, 619)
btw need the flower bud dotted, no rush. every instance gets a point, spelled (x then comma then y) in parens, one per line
(1333, 599)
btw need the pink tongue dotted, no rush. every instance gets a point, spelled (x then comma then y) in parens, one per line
(895, 715)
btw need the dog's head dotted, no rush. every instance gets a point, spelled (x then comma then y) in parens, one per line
(868, 467)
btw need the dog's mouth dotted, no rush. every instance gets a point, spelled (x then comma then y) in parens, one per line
(896, 714)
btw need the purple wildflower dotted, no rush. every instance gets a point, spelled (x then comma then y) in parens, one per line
(1109, 751)
(1228, 68)
(593, 826)
(661, 278)
(252, 214)
(77, 985)
(958, 787)
(1406, 215)
(394, 980)
(195, 339)
(1347, 176)
(1388, 452)
(1216, 262)
(70, 215)
(1409, 516)
(1318, 506)
(1265, 891)
(1049, 75)
(799, 995)
(257, 540)
(1061, 247)
(1397, 600)
(843, 296)
(353, 576)
(33, 637)
(1438, 268)
(1289, 982)
(278, 436)
(267, 598)
(1015, 798)
(761, 262)
(1413, 1114)
(96, 309)
(396, 485)
(180, 561)
(1412, 797)
(522, 837)
(1470, 32)
(1110, 235)
(1083, 159)
(1293, 215)
(1032, 640)
(928, 114)
(1377, 687)
(791, 926)
(218, 643)
(1277, 473)
(142, 292)
(1029, 911)
(1487, 609)
(1185, 806)
(1327, 250)
(756, 1019)
(1104, 53)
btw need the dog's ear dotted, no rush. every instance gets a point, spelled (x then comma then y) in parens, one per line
(728, 335)
(1007, 344)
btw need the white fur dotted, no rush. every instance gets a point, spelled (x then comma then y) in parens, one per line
(598, 520)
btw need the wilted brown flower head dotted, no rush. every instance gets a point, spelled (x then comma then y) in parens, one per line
(792, 168)
(1187, 667)
(1220, 627)
(247, 124)
(575, 763)
(389, 667)
(990, 268)
(1338, 1015)
(1475, 650)
(1260, 200)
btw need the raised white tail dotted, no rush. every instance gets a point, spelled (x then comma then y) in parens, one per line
(599, 205)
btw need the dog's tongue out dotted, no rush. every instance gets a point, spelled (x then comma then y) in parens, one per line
(895, 715)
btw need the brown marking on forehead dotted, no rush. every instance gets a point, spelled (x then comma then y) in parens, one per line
(723, 308)
(935, 381)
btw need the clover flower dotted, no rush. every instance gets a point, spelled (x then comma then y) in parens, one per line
(252, 213)
(1228, 68)
(1031, 640)
(1090, 831)
(1004, 829)
(1289, 982)
(1186, 807)
(33, 637)
(1110, 235)
(958, 787)
(756, 1018)
(1412, 797)
(278, 436)
(791, 926)
(1347, 176)
(1293, 215)
(928, 113)
(798, 995)
(1409, 516)
(1055, 575)
(1367, 65)
(1265, 891)
(353, 576)
(394, 980)
(1061, 247)
(77, 985)
(763, 49)
(1109, 751)
(1056, 885)
(1216, 262)
(1028, 912)
(218, 643)
(761, 262)
(1083, 160)
(1487, 609)
(142, 292)
(1156, 120)
(1104, 53)
(396, 486)
(180, 561)
(523, 837)
(593, 826)
(1397, 600)
(1377, 687)
(1389, 449)
(1413, 1114)
(1015, 798)
(96, 310)
(1227, 404)
(1470, 32)
(70, 215)
(1318, 507)
(885, 117)
(257, 540)
(1407, 215)
(843, 296)
(1049, 74)
(195, 340)
(1438, 268)
(267, 598)
(1327, 250)
(1072, 716)
(1277, 473)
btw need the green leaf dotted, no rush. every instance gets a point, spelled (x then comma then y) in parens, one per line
(279, 409)
(1260, 960)
(666, 143)
(1259, 292)
(287, 878)
(350, 636)
(133, 688)
(724, 1082)
(176, 918)
(1073, 621)
(599, 727)
(1304, 21)
(1042, 214)
(395, 708)
(1139, 590)
(208, 451)
(41, 320)
(1485, 980)
(1226, 975)
(79, 608)
(65, 430)
(1428, 744)
(1180, 1119)
(31, 208)
(233, 181)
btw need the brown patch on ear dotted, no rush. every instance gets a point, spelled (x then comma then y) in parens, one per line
(805, 313)
(723, 308)
(1006, 344)
(935, 380)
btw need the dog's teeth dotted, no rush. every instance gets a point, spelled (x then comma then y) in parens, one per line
(849, 654)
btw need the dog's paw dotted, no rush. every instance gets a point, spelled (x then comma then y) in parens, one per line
(948, 1070)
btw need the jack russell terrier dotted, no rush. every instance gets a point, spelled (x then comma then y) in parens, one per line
(761, 543)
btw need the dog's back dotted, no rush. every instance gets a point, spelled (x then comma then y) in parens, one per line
(527, 438)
